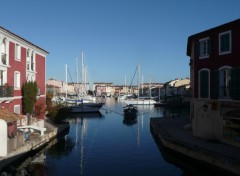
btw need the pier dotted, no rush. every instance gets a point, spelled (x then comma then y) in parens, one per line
(34, 143)
(173, 135)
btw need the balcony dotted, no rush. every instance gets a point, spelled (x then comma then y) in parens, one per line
(4, 58)
(6, 91)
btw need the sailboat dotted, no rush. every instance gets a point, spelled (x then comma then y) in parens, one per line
(138, 100)
(85, 104)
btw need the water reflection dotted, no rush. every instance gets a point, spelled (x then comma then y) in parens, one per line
(188, 165)
(129, 121)
(108, 144)
(35, 162)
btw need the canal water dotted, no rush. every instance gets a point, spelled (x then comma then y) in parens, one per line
(104, 144)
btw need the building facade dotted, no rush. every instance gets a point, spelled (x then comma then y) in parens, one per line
(21, 61)
(215, 81)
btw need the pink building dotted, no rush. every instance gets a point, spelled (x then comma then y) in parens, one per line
(21, 61)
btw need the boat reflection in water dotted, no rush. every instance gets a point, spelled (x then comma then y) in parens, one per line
(130, 115)
(129, 120)
(80, 123)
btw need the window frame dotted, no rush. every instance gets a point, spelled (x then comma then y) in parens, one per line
(28, 59)
(33, 61)
(17, 80)
(17, 107)
(220, 42)
(17, 52)
(203, 41)
(222, 82)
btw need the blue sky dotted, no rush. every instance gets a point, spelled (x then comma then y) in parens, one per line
(116, 35)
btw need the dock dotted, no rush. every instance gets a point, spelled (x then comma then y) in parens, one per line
(174, 134)
(34, 143)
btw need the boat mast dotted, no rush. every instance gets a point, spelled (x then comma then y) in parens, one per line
(125, 84)
(83, 77)
(77, 76)
(138, 79)
(66, 82)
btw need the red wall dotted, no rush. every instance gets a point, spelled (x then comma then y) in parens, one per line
(215, 61)
(20, 66)
(40, 76)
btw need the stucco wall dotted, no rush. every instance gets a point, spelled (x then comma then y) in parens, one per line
(207, 122)
(3, 137)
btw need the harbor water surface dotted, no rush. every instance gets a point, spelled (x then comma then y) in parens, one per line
(105, 145)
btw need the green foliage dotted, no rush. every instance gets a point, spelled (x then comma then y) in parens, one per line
(30, 90)
(57, 113)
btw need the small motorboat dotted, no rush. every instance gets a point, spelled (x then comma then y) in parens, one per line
(130, 111)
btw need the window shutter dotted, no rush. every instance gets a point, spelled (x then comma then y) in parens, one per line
(215, 93)
(196, 49)
(209, 45)
(235, 83)
(204, 84)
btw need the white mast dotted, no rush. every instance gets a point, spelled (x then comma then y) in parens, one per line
(66, 85)
(77, 91)
(138, 79)
(126, 83)
(83, 77)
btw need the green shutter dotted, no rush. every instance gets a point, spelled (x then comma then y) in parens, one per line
(235, 83)
(209, 45)
(204, 84)
(215, 93)
(196, 49)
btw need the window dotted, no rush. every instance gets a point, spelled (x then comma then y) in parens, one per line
(17, 109)
(204, 48)
(4, 51)
(17, 52)
(32, 62)
(225, 77)
(204, 83)
(16, 80)
(225, 40)
(28, 59)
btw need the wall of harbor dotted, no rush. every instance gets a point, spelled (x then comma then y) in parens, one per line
(189, 146)
(34, 143)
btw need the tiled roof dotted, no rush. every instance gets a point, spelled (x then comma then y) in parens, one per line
(9, 116)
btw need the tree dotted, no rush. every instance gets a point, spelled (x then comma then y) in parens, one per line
(30, 90)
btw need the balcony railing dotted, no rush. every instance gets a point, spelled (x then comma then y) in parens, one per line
(4, 58)
(6, 91)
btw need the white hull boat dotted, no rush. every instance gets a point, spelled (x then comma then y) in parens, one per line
(86, 107)
(140, 102)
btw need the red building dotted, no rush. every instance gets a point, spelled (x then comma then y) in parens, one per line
(215, 81)
(21, 61)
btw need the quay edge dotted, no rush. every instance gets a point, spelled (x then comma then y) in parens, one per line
(33, 145)
(172, 136)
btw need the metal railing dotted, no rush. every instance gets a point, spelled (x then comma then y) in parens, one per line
(6, 91)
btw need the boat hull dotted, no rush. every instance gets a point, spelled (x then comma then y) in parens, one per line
(86, 108)
(140, 102)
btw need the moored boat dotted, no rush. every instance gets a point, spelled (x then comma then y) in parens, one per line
(130, 111)
(140, 102)
(86, 107)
